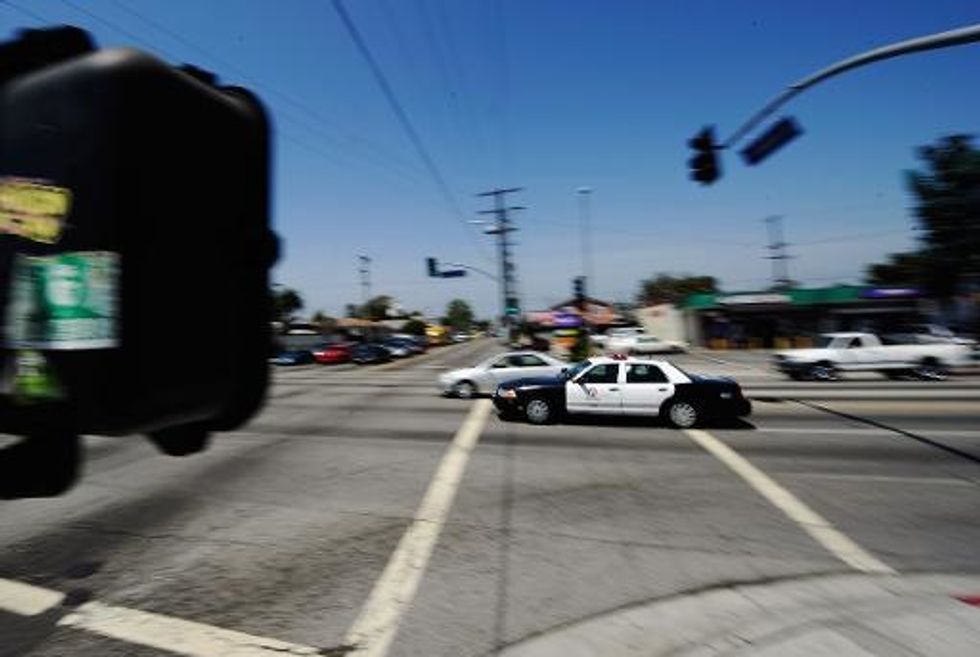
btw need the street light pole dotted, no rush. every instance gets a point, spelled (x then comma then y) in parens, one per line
(957, 37)
(496, 279)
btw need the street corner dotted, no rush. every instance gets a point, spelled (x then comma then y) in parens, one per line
(840, 614)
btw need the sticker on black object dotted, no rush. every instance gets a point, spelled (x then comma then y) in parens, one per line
(64, 301)
(32, 209)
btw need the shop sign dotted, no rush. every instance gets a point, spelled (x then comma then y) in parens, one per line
(890, 292)
(752, 299)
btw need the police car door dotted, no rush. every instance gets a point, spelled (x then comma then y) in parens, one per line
(597, 390)
(645, 389)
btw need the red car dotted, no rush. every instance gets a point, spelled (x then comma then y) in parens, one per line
(332, 354)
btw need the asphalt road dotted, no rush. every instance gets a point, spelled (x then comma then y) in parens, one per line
(360, 508)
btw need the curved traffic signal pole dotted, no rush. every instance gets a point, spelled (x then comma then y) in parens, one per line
(957, 37)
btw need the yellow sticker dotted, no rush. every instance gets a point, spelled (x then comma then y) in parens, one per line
(33, 210)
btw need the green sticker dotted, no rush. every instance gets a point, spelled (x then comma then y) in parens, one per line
(34, 379)
(64, 301)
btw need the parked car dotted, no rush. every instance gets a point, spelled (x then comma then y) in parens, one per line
(864, 352)
(293, 357)
(623, 387)
(370, 353)
(487, 375)
(644, 343)
(419, 342)
(331, 354)
(399, 347)
(602, 340)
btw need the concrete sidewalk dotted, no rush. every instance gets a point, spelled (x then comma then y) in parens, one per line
(833, 616)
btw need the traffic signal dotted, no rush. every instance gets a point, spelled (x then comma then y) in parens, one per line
(513, 306)
(705, 166)
(777, 136)
(433, 266)
(134, 212)
(578, 287)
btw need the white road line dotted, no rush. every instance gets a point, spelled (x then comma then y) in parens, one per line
(143, 628)
(809, 520)
(376, 625)
(27, 600)
(175, 635)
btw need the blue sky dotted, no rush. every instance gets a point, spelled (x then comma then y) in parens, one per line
(552, 95)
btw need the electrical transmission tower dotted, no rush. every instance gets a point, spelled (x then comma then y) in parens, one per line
(777, 253)
(502, 228)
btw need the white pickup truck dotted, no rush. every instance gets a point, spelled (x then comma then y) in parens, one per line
(863, 352)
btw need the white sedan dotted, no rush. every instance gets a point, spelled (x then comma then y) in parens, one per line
(486, 376)
(644, 344)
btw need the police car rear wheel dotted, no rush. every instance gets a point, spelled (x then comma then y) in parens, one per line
(683, 415)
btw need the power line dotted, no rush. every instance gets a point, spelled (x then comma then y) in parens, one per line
(378, 155)
(24, 11)
(402, 116)
(382, 160)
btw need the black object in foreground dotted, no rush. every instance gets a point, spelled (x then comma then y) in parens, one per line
(134, 213)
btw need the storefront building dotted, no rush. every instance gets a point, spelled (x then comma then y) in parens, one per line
(791, 318)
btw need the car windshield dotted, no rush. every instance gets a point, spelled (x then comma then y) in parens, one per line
(823, 341)
(575, 369)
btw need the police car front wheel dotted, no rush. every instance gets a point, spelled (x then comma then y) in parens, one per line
(683, 414)
(538, 411)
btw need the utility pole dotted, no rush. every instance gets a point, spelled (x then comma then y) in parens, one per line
(365, 271)
(585, 212)
(777, 253)
(502, 228)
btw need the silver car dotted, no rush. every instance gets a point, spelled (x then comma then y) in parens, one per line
(486, 376)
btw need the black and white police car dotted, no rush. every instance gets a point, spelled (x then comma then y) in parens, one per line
(623, 386)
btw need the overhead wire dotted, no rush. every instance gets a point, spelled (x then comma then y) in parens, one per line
(373, 153)
(26, 12)
(403, 119)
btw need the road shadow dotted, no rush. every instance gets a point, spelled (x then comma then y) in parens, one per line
(728, 424)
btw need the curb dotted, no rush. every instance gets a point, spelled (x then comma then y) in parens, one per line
(754, 617)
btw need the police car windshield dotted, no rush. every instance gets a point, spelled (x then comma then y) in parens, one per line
(574, 370)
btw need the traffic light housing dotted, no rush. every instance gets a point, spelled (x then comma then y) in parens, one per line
(432, 266)
(705, 165)
(134, 288)
(513, 307)
(578, 287)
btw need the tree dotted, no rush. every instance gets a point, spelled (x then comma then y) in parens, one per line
(459, 315)
(324, 321)
(286, 302)
(901, 269)
(947, 193)
(377, 307)
(947, 207)
(667, 288)
(414, 327)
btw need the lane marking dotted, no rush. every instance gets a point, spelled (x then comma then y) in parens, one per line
(821, 530)
(27, 600)
(840, 476)
(175, 635)
(375, 627)
(167, 633)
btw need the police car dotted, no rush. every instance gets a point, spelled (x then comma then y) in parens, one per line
(623, 386)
